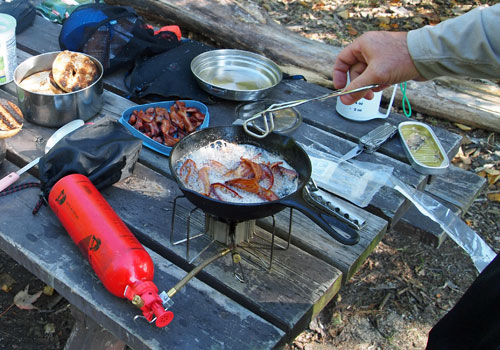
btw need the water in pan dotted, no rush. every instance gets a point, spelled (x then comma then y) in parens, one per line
(285, 179)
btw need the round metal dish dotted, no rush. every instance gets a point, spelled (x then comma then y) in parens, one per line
(235, 74)
(56, 110)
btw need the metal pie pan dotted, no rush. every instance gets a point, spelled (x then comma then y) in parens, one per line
(235, 74)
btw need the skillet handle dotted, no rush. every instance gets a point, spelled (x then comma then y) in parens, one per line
(298, 202)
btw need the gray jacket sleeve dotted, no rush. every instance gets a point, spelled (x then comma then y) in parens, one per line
(468, 45)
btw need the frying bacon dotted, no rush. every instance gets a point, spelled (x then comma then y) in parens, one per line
(267, 174)
(217, 166)
(204, 179)
(252, 186)
(218, 187)
(289, 173)
(248, 176)
(187, 170)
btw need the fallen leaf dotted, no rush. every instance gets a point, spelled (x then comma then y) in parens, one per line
(466, 160)
(24, 300)
(418, 20)
(384, 19)
(492, 171)
(494, 180)
(343, 14)
(50, 328)
(352, 31)
(463, 127)
(48, 290)
(6, 282)
(384, 26)
(476, 153)
(470, 151)
(494, 197)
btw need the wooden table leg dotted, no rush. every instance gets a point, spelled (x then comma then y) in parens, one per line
(88, 335)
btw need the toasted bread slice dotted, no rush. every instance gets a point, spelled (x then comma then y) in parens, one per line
(11, 119)
(41, 83)
(73, 71)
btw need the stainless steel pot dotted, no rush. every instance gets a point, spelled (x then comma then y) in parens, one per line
(56, 110)
(235, 74)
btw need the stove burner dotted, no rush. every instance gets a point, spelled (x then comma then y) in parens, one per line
(229, 233)
(241, 238)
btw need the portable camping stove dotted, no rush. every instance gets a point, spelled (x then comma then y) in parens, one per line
(237, 236)
(242, 236)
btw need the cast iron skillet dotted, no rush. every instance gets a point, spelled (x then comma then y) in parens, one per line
(279, 144)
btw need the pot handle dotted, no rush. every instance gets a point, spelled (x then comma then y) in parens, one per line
(297, 202)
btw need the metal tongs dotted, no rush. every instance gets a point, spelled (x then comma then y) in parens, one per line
(268, 114)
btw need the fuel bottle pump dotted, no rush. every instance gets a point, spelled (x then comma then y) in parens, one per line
(120, 261)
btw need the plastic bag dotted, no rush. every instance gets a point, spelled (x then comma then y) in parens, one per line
(354, 181)
(480, 253)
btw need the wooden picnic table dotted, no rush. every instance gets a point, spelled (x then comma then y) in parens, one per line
(214, 310)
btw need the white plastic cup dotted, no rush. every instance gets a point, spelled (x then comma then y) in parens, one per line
(8, 57)
(364, 109)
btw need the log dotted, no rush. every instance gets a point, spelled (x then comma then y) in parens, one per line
(244, 25)
(475, 103)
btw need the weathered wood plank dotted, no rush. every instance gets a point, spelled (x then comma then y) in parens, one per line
(204, 318)
(458, 187)
(429, 231)
(347, 259)
(86, 334)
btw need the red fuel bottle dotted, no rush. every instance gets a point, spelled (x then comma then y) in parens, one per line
(117, 257)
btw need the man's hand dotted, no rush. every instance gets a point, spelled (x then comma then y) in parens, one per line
(374, 58)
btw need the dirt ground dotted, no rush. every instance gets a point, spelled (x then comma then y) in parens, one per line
(404, 287)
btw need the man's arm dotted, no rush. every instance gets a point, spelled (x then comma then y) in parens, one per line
(468, 45)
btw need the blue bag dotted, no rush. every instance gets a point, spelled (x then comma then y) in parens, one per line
(115, 35)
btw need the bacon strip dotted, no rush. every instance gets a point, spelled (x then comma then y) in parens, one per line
(181, 120)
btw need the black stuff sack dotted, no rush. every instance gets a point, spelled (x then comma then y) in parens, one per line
(106, 152)
(115, 35)
(168, 75)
